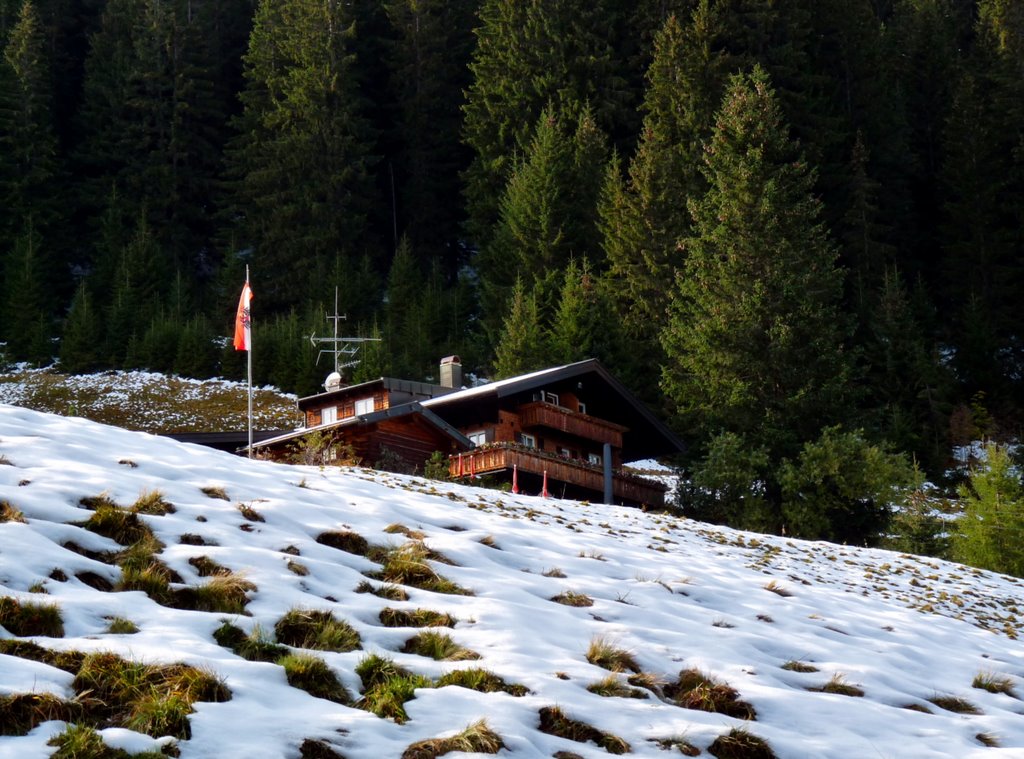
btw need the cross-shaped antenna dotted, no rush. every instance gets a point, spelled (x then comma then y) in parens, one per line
(340, 346)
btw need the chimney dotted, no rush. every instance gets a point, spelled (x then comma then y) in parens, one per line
(451, 372)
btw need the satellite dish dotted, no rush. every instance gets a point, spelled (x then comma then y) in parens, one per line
(333, 382)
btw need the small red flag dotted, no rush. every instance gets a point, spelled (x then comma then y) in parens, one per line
(243, 321)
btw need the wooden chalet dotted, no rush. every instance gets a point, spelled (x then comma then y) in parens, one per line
(572, 427)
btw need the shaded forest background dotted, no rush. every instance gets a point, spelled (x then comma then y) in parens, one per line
(784, 224)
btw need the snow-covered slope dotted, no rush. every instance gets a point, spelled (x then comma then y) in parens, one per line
(677, 594)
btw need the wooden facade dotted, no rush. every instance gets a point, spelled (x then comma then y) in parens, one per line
(555, 422)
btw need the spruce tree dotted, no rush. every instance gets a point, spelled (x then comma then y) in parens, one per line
(523, 345)
(585, 324)
(26, 319)
(755, 337)
(300, 163)
(81, 343)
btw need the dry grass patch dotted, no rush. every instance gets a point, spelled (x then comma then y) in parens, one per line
(256, 646)
(249, 514)
(317, 749)
(954, 704)
(111, 521)
(298, 568)
(987, 739)
(121, 626)
(9, 513)
(438, 646)
(80, 741)
(777, 589)
(225, 594)
(407, 564)
(739, 744)
(572, 598)
(478, 738)
(612, 687)
(681, 745)
(215, 491)
(31, 618)
(554, 572)
(994, 683)
(482, 681)
(839, 686)
(798, 666)
(388, 591)
(207, 567)
(554, 721)
(152, 502)
(401, 529)
(694, 689)
(20, 713)
(345, 540)
(605, 654)
(416, 618)
(311, 674)
(69, 661)
(319, 630)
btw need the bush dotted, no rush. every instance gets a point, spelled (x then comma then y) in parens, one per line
(990, 533)
(729, 485)
(842, 489)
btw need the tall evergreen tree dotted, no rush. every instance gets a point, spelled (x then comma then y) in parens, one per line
(755, 338)
(301, 160)
(523, 344)
(81, 343)
(26, 319)
(585, 324)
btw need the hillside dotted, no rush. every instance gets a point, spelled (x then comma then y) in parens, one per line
(818, 650)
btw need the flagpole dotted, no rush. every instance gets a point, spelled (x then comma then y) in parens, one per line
(249, 368)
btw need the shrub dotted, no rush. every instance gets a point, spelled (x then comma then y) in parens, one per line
(437, 646)
(30, 618)
(728, 485)
(695, 690)
(320, 630)
(994, 684)
(603, 653)
(478, 738)
(436, 467)
(739, 744)
(482, 681)
(311, 674)
(990, 533)
(417, 618)
(554, 721)
(386, 687)
(571, 598)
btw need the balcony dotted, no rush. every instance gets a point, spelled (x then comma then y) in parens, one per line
(577, 479)
(540, 414)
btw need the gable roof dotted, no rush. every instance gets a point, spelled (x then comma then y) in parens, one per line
(414, 391)
(606, 398)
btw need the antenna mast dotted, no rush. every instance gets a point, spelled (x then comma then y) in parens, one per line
(339, 346)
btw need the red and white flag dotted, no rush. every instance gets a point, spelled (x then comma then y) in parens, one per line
(243, 321)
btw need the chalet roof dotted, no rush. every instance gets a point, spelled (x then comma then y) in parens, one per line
(422, 390)
(393, 412)
(606, 398)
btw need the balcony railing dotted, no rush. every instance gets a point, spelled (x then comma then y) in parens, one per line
(540, 414)
(501, 457)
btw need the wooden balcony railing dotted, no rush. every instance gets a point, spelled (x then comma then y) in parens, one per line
(540, 414)
(501, 457)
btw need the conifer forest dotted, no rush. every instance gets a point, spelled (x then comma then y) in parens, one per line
(795, 228)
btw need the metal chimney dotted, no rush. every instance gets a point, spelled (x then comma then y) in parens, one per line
(451, 372)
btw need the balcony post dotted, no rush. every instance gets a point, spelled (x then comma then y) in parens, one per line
(608, 497)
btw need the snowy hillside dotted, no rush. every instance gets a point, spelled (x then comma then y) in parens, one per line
(816, 650)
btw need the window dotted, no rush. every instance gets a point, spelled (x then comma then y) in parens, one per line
(551, 398)
(581, 407)
(565, 453)
(593, 458)
(527, 440)
(364, 406)
(329, 415)
(477, 438)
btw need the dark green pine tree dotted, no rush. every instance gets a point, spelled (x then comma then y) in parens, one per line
(300, 162)
(755, 337)
(644, 216)
(523, 346)
(548, 215)
(585, 324)
(428, 62)
(404, 331)
(26, 318)
(530, 55)
(81, 343)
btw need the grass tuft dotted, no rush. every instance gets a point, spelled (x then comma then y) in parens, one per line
(694, 689)
(612, 687)
(120, 525)
(386, 687)
(20, 713)
(69, 661)
(994, 684)
(311, 674)
(572, 598)
(319, 630)
(739, 744)
(121, 626)
(554, 572)
(407, 564)
(682, 745)
(416, 618)
(215, 491)
(9, 513)
(481, 680)
(401, 529)
(207, 567)
(390, 592)
(345, 540)
(30, 618)
(256, 646)
(604, 653)
(298, 568)
(954, 704)
(250, 514)
(477, 738)
(437, 646)
(839, 686)
(152, 502)
(777, 589)
(798, 666)
(554, 721)
(987, 739)
(224, 594)
(317, 749)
